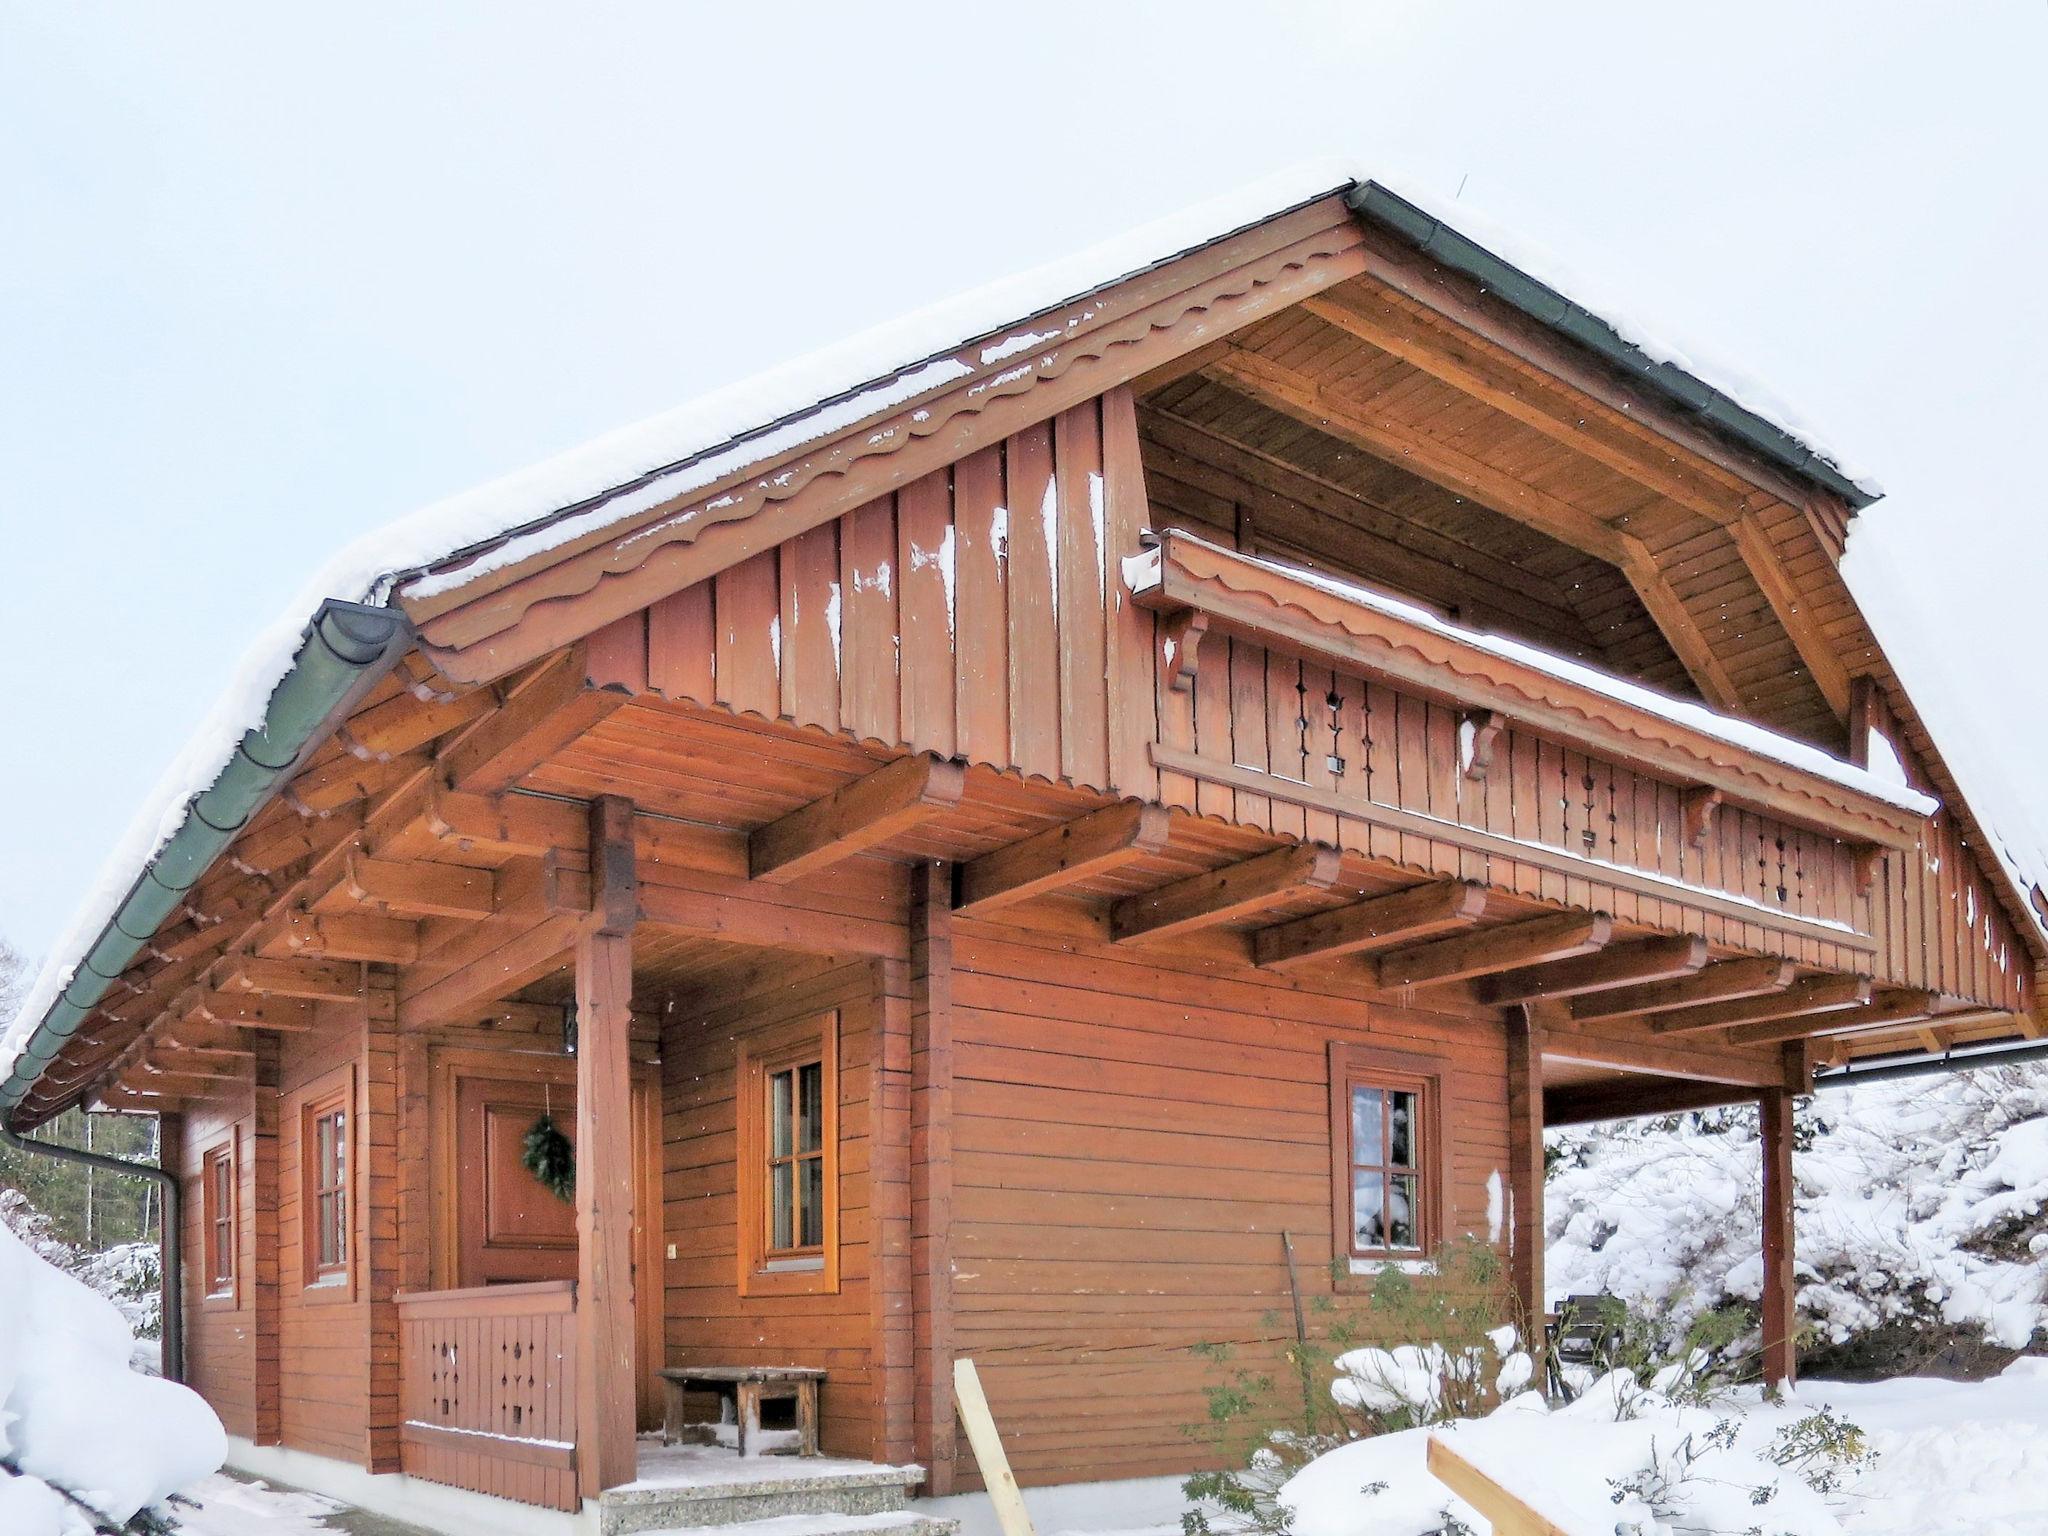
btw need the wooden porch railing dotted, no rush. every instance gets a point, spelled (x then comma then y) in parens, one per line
(489, 1390)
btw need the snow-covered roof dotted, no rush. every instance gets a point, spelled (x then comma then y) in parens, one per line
(623, 472)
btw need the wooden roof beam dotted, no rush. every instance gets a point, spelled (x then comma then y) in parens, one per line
(1817, 994)
(249, 1010)
(419, 888)
(1221, 895)
(341, 936)
(319, 981)
(1374, 924)
(546, 710)
(855, 817)
(1721, 983)
(1605, 970)
(1062, 855)
(1293, 393)
(1509, 946)
(1894, 1006)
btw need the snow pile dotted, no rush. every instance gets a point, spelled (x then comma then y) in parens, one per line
(130, 1275)
(226, 1506)
(74, 1417)
(1921, 1204)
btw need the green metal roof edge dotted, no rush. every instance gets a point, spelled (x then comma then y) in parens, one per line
(1549, 308)
(347, 647)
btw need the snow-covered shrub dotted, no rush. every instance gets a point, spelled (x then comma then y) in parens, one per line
(85, 1442)
(1922, 1209)
(1410, 1349)
(1622, 1458)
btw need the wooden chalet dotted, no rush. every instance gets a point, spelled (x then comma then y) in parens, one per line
(983, 862)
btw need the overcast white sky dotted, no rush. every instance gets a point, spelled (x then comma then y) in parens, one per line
(271, 275)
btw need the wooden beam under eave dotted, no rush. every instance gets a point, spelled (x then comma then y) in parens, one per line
(1894, 1006)
(1817, 994)
(855, 817)
(342, 936)
(1062, 855)
(420, 889)
(1374, 924)
(537, 950)
(1795, 615)
(1221, 895)
(1719, 983)
(549, 708)
(319, 981)
(1622, 1098)
(249, 1010)
(1484, 951)
(1605, 970)
(1676, 623)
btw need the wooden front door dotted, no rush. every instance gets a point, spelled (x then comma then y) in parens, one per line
(510, 1227)
(497, 1224)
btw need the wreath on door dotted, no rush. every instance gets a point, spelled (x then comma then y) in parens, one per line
(550, 1158)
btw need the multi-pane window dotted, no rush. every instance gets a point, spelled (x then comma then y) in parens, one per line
(789, 1159)
(325, 1149)
(796, 1159)
(1386, 1171)
(217, 1204)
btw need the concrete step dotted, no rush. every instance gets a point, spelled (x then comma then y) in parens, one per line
(887, 1523)
(746, 1494)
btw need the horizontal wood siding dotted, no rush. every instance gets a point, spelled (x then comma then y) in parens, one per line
(220, 1331)
(1131, 1137)
(709, 1322)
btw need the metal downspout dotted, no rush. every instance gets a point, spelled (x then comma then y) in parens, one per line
(173, 1231)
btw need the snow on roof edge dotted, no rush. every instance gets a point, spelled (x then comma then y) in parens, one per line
(764, 407)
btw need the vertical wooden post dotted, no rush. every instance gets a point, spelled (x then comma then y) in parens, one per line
(605, 1388)
(1780, 1320)
(931, 1171)
(891, 1304)
(1525, 1162)
(376, 1142)
(266, 1256)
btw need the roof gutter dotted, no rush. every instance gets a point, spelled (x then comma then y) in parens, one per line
(347, 648)
(1921, 1064)
(1551, 309)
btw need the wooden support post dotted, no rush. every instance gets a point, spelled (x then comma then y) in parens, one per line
(377, 1150)
(1780, 1315)
(605, 1388)
(931, 1172)
(1525, 1163)
(262, 1185)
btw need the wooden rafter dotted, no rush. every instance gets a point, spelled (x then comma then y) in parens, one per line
(1484, 951)
(546, 710)
(1817, 994)
(1893, 1006)
(1378, 923)
(334, 981)
(419, 889)
(1220, 895)
(855, 817)
(1296, 394)
(250, 1010)
(1620, 965)
(342, 936)
(1721, 983)
(1061, 855)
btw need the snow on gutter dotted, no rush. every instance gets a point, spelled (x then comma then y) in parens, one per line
(613, 476)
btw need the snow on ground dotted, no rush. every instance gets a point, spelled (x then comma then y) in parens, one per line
(75, 1417)
(1921, 1201)
(226, 1506)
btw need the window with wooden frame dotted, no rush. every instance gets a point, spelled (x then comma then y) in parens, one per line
(217, 1204)
(788, 1086)
(1388, 1171)
(326, 1163)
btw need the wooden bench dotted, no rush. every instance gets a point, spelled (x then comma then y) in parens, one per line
(748, 1386)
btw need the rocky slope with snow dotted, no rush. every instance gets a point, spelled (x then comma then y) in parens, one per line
(1922, 1218)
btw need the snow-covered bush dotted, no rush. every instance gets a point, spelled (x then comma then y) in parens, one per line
(86, 1443)
(1922, 1213)
(1622, 1459)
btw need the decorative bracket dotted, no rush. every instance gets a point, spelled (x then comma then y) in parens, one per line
(1180, 638)
(1868, 859)
(1700, 804)
(1478, 733)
